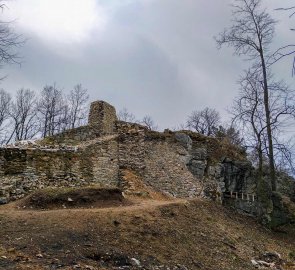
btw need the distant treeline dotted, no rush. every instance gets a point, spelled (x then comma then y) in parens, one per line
(30, 114)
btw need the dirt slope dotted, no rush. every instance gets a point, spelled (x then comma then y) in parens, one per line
(155, 234)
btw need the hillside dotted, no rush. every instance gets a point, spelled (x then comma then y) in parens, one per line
(140, 234)
(115, 195)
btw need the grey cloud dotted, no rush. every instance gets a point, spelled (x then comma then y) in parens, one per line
(157, 58)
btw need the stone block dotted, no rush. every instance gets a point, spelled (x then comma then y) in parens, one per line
(184, 140)
(3, 200)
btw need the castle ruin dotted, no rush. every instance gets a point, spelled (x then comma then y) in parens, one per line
(178, 164)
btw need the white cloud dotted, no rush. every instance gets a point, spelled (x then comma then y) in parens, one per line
(61, 21)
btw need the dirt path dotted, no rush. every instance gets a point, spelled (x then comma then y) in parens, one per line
(174, 234)
(136, 205)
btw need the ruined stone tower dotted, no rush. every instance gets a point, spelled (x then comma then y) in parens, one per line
(102, 117)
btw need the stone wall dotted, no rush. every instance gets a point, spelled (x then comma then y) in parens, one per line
(73, 136)
(179, 164)
(25, 170)
(158, 160)
(172, 163)
(131, 146)
(102, 117)
(99, 161)
(78, 157)
(218, 175)
(166, 170)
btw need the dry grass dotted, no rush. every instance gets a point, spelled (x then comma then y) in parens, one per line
(197, 234)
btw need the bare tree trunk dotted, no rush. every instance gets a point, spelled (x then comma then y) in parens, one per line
(268, 127)
(77, 104)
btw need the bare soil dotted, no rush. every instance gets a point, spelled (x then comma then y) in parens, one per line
(179, 234)
(62, 198)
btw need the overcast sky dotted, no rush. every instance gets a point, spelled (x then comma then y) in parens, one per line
(155, 57)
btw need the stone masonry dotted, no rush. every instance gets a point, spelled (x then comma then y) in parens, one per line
(179, 164)
(102, 117)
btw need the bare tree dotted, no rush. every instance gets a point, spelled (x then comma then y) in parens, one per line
(286, 50)
(289, 9)
(5, 102)
(50, 108)
(149, 123)
(250, 35)
(248, 111)
(204, 121)
(23, 112)
(78, 99)
(9, 41)
(285, 155)
(126, 116)
(63, 119)
(230, 134)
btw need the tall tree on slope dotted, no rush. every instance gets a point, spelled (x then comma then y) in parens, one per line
(250, 35)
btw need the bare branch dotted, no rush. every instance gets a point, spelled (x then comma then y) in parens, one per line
(125, 115)
(149, 123)
(204, 121)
